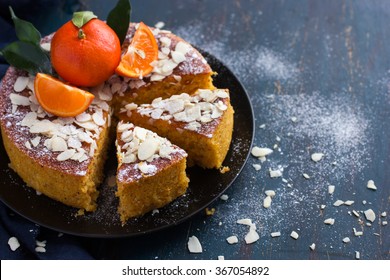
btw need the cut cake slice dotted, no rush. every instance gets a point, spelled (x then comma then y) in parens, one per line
(151, 171)
(201, 123)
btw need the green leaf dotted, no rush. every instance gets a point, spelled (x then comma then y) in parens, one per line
(25, 30)
(27, 56)
(81, 18)
(119, 18)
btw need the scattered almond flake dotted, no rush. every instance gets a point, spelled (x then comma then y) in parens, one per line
(267, 202)
(210, 212)
(98, 119)
(58, 144)
(262, 126)
(256, 166)
(155, 211)
(270, 193)
(221, 258)
(312, 246)
(371, 185)
(21, 83)
(338, 203)
(178, 57)
(346, 240)
(247, 222)
(355, 213)
(111, 181)
(331, 189)
(224, 197)
(357, 255)
(322, 207)
(357, 233)
(275, 146)
(284, 180)
(306, 176)
(18, 99)
(349, 202)
(294, 119)
(275, 234)
(275, 173)
(159, 25)
(261, 152)
(35, 141)
(383, 214)
(41, 243)
(384, 223)
(262, 159)
(278, 138)
(368, 224)
(13, 243)
(294, 235)
(364, 202)
(182, 47)
(252, 236)
(370, 215)
(232, 239)
(329, 221)
(316, 157)
(66, 155)
(194, 245)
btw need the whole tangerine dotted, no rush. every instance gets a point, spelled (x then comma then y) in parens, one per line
(85, 56)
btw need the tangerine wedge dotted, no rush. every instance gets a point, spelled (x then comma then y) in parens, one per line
(142, 51)
(60, 99)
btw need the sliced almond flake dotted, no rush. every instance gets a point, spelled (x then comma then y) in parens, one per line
(224, 197)
(346, 240)
(329, 221)
(83, 117)
(384, 214)
(77, 156)
(317, 157)
(87, 125)
(46, 46)
(157, 77)
(17, 99)
(294, 235)
(357, 255)
(257, 167)
(331, 189)
(29, 119)
(13, 243)
(323, 206)
(371, 185)
(27, 144)
(261, 152)
(275, 173)
(98, 119)
(40, 249)
(177, 78)
(147, 168)
(35, 141)
(306, 176)
(294, 119)
(21, 83)
(165, 50)
(275, 234)
(168, 66)
(66, 155)
(338, 203)
(165, 41)
(349, 202)
(122, 127)
(221, 258)
(247, 222)
(232, 239)
(58, 144)
(370, 215)
(357, 233)
(262, 126)
(267, 202)
(41, 243)
(355, 213)
(194, 245)
(312, 246)
(270, 193)
(148, 148)
(129, 158)
(384, 223)
(182, 47)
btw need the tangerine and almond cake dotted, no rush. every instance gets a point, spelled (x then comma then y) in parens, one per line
(151, 171)
(201, 123)
(63, 158)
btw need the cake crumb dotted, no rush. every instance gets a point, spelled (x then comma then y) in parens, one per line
(224, 169)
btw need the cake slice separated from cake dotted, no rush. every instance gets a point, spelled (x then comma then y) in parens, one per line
(151, 171)
(201, 123)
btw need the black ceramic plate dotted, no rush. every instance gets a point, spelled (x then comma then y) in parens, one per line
(205, 185)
